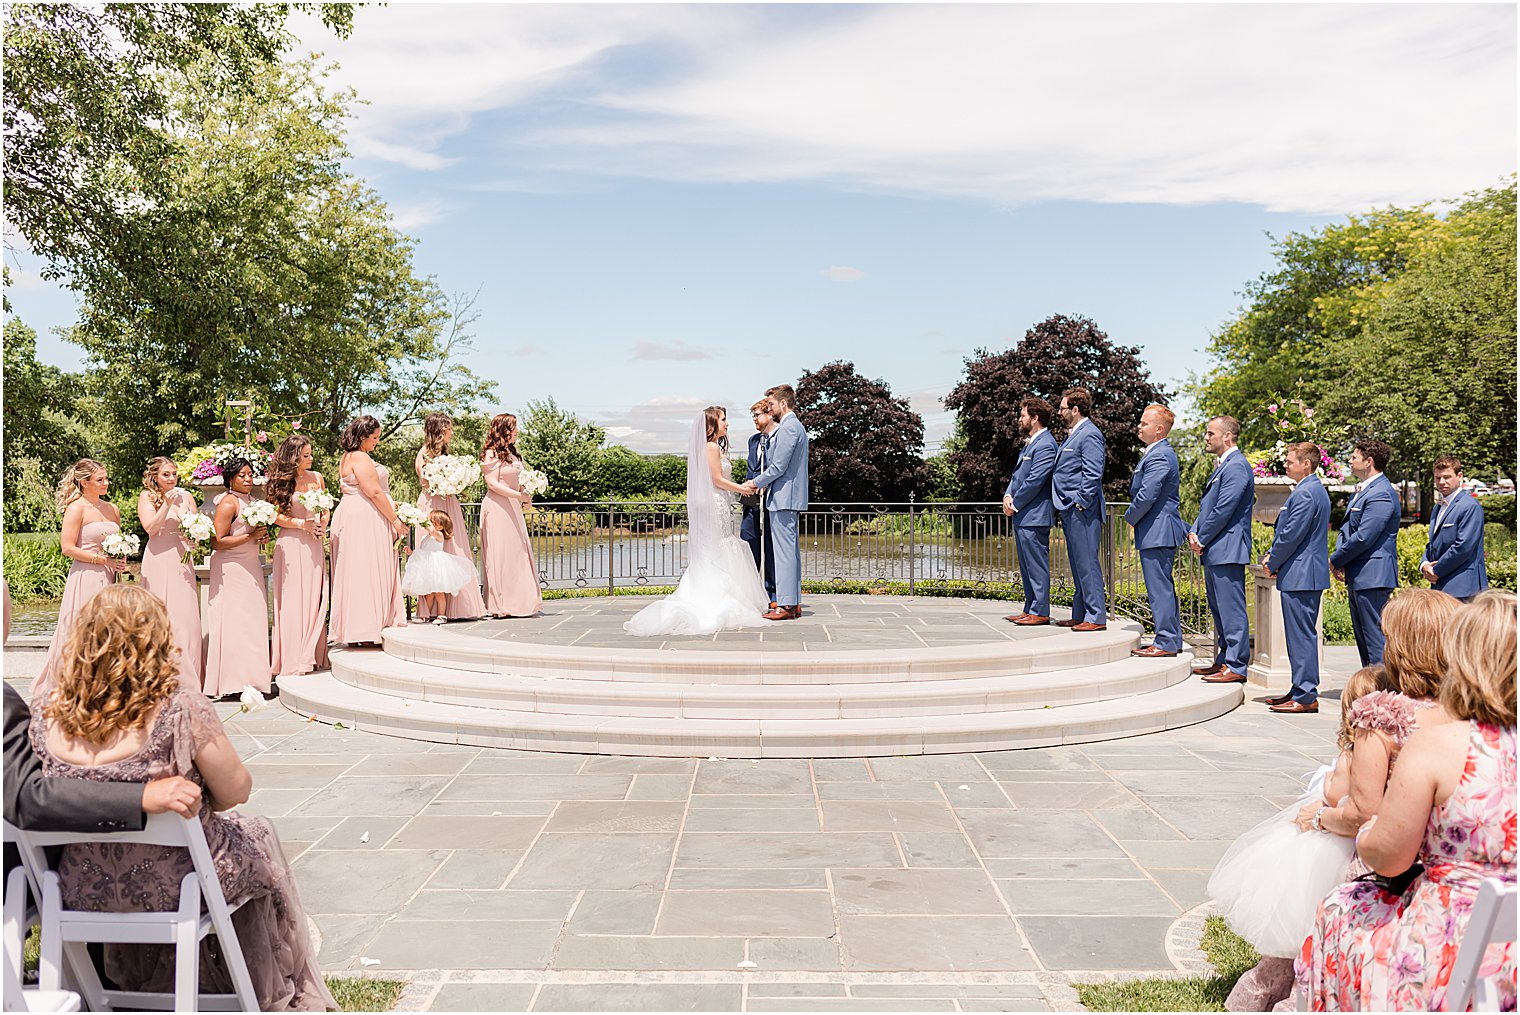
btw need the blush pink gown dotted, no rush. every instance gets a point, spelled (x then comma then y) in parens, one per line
(300, 599)
(466, 604)
(366, 577)
(511, 577)
(237, 653)
(83, 582)
(167, 576)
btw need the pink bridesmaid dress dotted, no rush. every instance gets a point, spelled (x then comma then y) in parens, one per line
(466, 604)
(83, 582)
(300, 598)
(366, 578)
(237, 653)
(511, 577)
(167, 576)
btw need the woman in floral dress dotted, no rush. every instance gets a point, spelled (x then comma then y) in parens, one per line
(1451, 807)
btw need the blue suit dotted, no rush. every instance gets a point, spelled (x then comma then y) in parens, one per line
(1223, 526)
(1029, 489)
(1456, 546)
(1155, 511)
(1300, 556)
(753, 527)
(785, 482)
(1076, 491)
(1367, 550)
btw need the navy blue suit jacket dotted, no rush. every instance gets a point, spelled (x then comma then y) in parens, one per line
(1456, 547)
(1223, 524)
(1155, 501)
(1367, 546)
(752, 463)
(1300, 553)
(1030, 486)
(1077, 480)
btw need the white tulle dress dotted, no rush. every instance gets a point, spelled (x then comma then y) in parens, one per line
(721, 589)
(431, 569)
(1269, 883)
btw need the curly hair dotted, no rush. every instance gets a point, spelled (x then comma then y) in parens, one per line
(284, 467)
(71, 486)
(497, 442)
(435, 428)
(1414, 651)
(1480, 654)
(119, 664)
(357, 432)
(150, 479)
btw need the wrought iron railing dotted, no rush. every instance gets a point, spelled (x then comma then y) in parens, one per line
(929, 548)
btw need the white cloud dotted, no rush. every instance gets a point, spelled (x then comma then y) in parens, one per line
(674, 351)
(1306, 108)
(414, 216)
(841, 273)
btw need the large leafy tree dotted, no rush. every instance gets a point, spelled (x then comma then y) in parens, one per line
(863, 444)
(565, 449)
(1058, 353)
(43, 434)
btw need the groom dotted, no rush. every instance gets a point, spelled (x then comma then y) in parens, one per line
(785, 482)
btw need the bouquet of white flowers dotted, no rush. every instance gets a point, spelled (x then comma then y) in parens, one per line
(411, 514)
(121, 544)
(260, 512)
(197, 530)
(533, 481)
(451, 475)
(316, 500)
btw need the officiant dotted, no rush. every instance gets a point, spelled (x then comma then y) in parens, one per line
(755, 527)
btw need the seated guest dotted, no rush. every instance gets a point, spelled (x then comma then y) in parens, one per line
(1453, 560)
(117, 714)
(1451, 807)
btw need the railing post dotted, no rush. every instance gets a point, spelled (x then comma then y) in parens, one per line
(1110, 530)
(912, 541)
(611, 545)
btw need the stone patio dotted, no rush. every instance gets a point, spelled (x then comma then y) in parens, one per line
(493, 879)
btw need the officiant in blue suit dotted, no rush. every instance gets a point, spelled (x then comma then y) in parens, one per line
(1027, 502)
(1300, 560)
(1221, 536)
(1076, 488)
(1155, 512)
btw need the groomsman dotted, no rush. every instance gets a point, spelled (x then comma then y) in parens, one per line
(1076, 488)
(1366, 553)
(1155, 511)
(1454, 556)
(1221, 535)
(1027, 501)
(753, 527)
(1300, 560)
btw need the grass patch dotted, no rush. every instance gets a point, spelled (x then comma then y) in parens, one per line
(362, 994)
(1230, 955)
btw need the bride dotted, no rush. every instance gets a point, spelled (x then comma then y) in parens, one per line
(721, 588)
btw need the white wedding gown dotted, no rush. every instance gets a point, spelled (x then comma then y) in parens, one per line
(721, 589)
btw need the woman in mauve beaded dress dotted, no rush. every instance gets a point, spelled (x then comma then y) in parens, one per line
(366, 578)
(165, 571)
(511, 577)
(237, 613)
(466, 604)
(299, 644)
(120, 713)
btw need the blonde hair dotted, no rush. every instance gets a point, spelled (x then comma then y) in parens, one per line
(1363, 681)
(1480, 658)
(150, 479)
(71, 486)
(1414, 650)
(764, 405)
(119, 664)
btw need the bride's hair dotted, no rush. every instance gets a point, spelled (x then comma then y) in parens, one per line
(713, 414)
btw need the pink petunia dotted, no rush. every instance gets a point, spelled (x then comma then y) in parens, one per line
(1308, 412)
(295, 424)
(263, 436)
(1272, 408)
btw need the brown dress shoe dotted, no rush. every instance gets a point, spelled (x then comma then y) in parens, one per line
(1085, 626)
(1068, 623)
(1015, 617)
(1281, 699)
(1207, 668)
(794, 612)
(779, 613)
(1152, 652)
(1224, 677)
(1295, 708)
(1032, 620)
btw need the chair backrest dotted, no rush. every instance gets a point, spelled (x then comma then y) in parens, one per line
(1491, 921)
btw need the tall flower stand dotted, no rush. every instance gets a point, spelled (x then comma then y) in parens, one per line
(1269, 667)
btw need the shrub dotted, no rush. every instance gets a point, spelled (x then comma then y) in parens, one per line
(1501, 574)
(1499, 509)
(895, 523)
(29, 504)
(1336, 617)
(35, 568)
(658, 510)
(1498, 542)
(623, 472)
(1412, 541)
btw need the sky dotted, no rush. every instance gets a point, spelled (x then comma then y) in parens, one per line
(664, 207)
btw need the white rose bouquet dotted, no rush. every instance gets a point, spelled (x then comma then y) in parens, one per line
(260, 512)
(533, 481)
(197, 530)
(411, 514)
(316, 500)
(451, 475)
(121, 544)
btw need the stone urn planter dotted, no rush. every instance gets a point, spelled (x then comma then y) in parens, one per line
(1271, 495)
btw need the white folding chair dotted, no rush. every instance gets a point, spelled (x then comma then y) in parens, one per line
(20, 917)
(1491, 922)
(65, 932)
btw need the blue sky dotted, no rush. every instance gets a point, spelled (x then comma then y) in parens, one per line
(667, 206)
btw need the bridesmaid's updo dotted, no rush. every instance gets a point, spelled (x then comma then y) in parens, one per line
(284, 466)
(232, 467)
(71, 486)
(119, 662)
(435, 430)
(150, 479)
(357, 432)
(499, 439)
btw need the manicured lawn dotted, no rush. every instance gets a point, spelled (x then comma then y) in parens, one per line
(1229, 953)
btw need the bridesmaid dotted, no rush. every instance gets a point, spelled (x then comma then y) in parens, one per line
(237, 653)
(366, 579)
(300, 563)
(466, 604)
(164, 572)
(88, 518)
(511, 584)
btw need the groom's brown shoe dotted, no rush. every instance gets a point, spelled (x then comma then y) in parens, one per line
(780, 613)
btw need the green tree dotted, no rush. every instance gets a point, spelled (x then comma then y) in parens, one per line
(566, 450)
(43, 433)
(863, 444)
(622, 472)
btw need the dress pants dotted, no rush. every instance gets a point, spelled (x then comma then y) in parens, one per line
(788, 557)
(1084, 543)
(1161, 592)
(1367, 622)
(1300, 612)
(1226, 588)
(1033, 546)
(754, 531)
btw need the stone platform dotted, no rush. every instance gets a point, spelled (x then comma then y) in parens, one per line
(857, 676)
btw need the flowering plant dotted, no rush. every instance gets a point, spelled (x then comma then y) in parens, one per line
(197, 530)
(316, 500)
(534, 482)
(411, 514)
(203, 466)
(451, 475)
(121, 544)
(260, 512)
(1294, 422)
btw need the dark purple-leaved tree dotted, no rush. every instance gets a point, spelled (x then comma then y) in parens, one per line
(1058, 353)
(863, 444)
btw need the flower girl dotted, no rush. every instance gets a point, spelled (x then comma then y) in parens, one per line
(432, 573)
